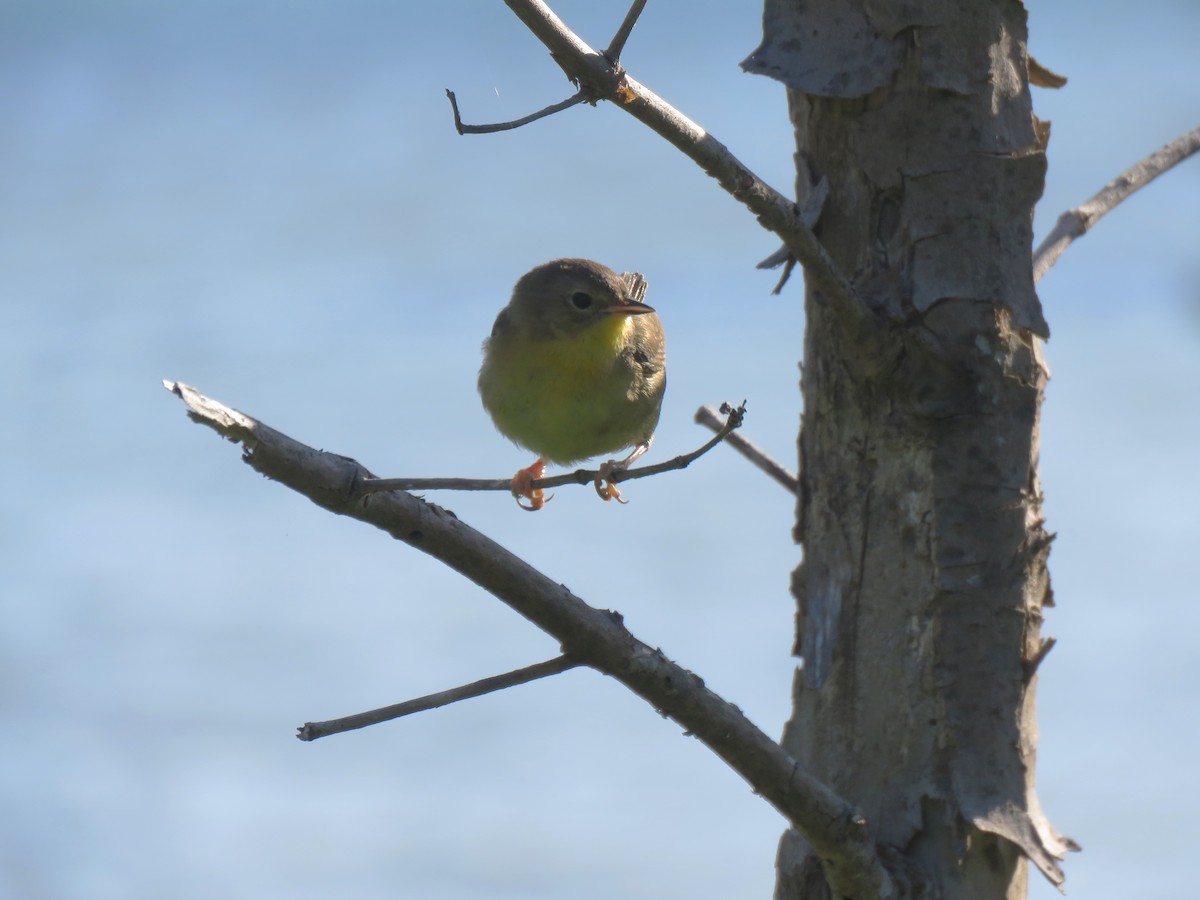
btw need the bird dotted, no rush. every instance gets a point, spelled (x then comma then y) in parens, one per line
(575, 368)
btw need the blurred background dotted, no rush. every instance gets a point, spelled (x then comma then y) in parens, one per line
(267, 199)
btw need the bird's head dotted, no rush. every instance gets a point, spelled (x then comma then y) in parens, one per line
(565, 297)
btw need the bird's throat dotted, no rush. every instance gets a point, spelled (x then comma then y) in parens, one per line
(593, 349)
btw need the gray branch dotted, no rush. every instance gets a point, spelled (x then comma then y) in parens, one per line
(1076, 222)
(593, 637)
(617, 44)
(605, 79)
(708, 417)
(310, 731)
(462, 128)
(733, 419)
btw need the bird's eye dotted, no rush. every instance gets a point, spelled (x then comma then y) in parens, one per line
(580, 300)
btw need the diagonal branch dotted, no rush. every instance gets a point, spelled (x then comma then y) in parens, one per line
(1076, 222)
(595, 637)
(605, 79)
(707, 416)
(310, 731)
(617, 44)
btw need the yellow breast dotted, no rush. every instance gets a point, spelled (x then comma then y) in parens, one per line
(569, 397)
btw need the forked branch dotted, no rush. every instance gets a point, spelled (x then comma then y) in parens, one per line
(604, 78)
(595, 637)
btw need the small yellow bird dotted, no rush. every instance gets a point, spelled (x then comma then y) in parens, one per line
(575, 368)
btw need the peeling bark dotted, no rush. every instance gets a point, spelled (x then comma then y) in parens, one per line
(924, 574)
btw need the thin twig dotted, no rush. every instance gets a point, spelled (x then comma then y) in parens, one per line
(597, 638)
(707, 416)
(776, 259)
(784, 275)
(1075, 222)
(734, 417)
(781, 257)
(310, 731)
(618, 42)
(579, 476)
(574, 100)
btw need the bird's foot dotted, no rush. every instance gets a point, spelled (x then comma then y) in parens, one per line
(522, 487)
(605, 487)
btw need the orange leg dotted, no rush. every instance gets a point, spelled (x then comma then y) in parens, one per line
(604, 485)
(522, 486)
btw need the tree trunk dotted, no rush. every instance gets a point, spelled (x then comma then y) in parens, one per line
(924, 574)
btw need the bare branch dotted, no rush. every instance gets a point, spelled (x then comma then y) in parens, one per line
(579, 476)
(781, 257)
(310, 731)
(607, 80)
(788, 266)
(1075, 222)
(707, 416)
(618, 42)
(379, 485)
(584, 476)
(574, 100)
(1033, 664)
(776, 259)
(810, 214)
(595, 637)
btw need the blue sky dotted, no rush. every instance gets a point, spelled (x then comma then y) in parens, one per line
(268, 200)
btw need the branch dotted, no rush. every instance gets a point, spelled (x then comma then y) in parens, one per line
(579, 476)
(574, 100)
(707, 416)
(595, 637)
(613, 53)
(310, 731)
(1075, 222)
(1031, 665)
(602, 77)
(810, 214)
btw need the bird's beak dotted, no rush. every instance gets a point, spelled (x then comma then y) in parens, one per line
(628, 307)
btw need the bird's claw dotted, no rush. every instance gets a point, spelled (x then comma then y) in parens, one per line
(522, 487)
(606, 489)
